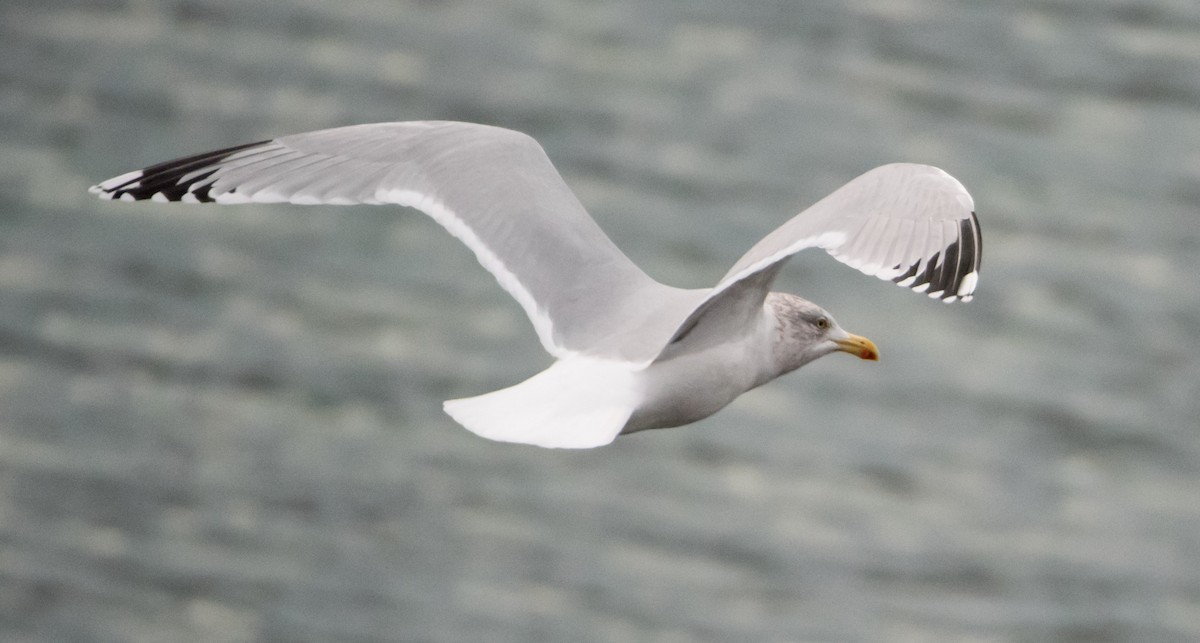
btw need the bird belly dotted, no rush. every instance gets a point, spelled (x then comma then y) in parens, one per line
(692, 387)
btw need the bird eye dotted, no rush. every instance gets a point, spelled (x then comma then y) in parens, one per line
(822, 323)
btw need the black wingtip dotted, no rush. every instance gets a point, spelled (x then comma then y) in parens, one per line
(165, 181)
(952, 274)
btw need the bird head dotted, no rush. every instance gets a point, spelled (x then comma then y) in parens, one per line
(807, 332)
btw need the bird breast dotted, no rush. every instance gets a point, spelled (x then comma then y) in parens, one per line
(693, 386)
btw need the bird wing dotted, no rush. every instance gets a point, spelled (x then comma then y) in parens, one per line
(911, 224)
(494, 189)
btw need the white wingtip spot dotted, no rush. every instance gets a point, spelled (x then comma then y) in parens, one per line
(231, 198)
(127, 197)
(920, 288)
(968, 285)
(129, 177)
(159, 197)
(887, 274)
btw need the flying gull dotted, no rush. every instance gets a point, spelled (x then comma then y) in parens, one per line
(631, 353)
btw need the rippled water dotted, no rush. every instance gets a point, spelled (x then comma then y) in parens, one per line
(223, 424)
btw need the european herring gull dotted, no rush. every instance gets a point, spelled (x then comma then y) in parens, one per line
(631, 353)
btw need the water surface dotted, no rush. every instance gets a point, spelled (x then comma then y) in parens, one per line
(223, 424)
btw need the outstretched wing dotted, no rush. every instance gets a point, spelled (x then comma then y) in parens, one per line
(911, 224)
(494, 189)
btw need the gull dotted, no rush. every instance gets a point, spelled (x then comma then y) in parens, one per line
(630, 352)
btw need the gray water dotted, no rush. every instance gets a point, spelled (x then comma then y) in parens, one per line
(223, 424)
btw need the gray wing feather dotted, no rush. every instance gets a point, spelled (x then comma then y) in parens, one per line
(496, 191)
(493, 188)
(855, 225)
(911, 224)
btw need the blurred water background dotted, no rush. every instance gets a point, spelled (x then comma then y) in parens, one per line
(223, 424)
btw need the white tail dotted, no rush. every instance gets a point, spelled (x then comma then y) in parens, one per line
(577, 403)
